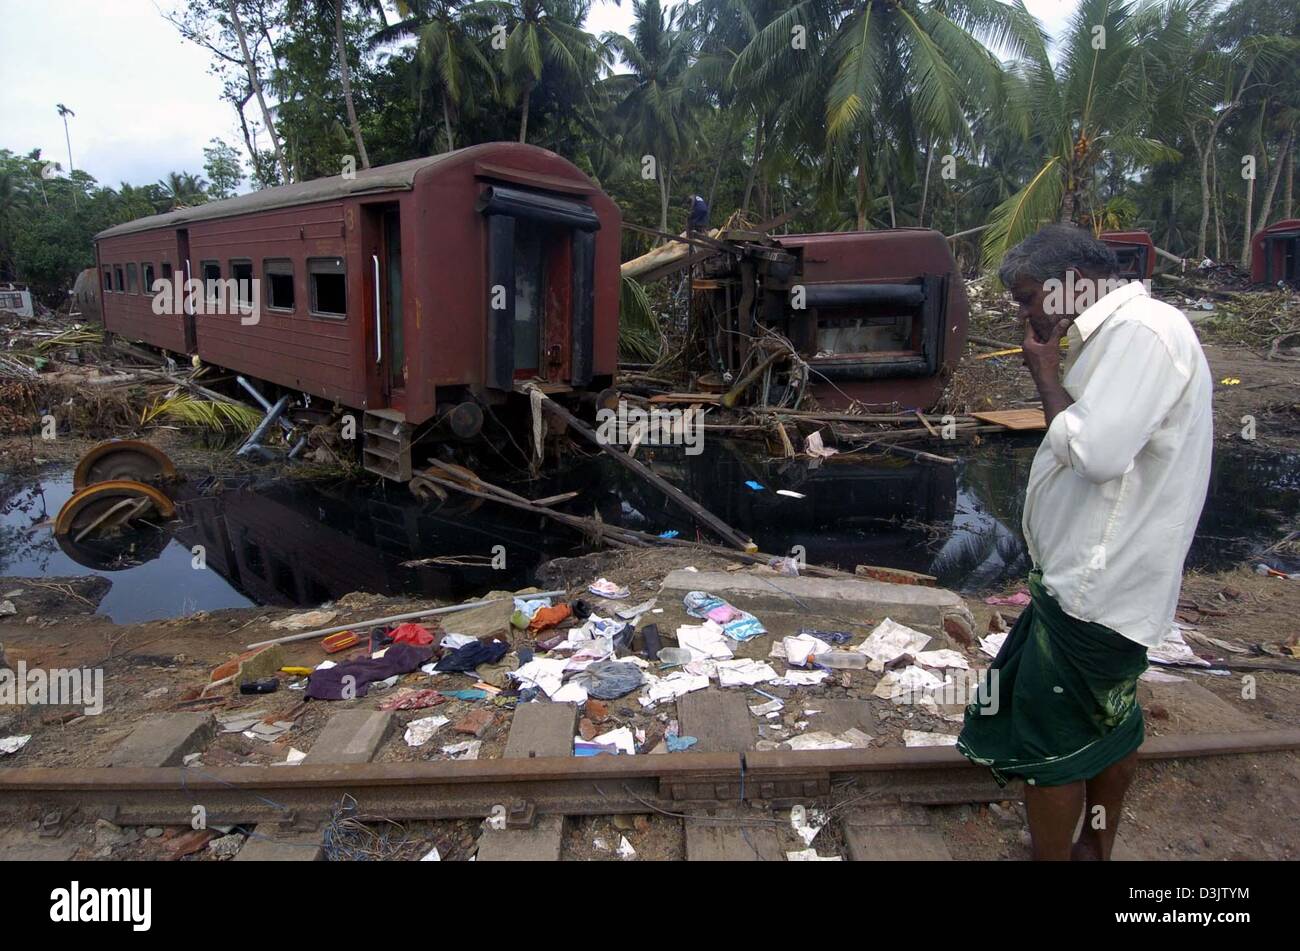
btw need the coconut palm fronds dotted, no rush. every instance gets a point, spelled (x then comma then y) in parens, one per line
(638, 330)
(210, 414)
(76, 336)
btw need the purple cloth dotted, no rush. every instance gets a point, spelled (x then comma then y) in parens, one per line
(329, 684)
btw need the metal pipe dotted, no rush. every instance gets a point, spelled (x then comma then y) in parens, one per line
(267, 422)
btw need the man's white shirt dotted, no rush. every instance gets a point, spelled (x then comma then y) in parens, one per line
(1117, 485)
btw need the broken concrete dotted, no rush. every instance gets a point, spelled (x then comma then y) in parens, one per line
(851, 597)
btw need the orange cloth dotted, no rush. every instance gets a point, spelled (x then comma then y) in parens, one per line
(549, 617)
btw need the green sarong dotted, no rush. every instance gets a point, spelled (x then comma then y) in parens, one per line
(1061, 701)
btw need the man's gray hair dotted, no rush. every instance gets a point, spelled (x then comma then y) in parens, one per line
(1053, 251)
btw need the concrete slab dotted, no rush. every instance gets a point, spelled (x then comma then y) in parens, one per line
(542, 729)
(836, 716)
(731, 841)
(541, 843)
(1188, 707)
(351, 736)
(164, 740)
(303, 847)
(848, 597)
(895, 844)
(719, 719)
(538, 729)
(24, 845)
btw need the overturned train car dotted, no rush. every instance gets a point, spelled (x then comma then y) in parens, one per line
(416, 293)
(876, 317)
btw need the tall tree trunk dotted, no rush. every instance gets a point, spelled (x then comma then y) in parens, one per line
(1283, 157)
(446, 123)
(523, 112)
(1244, 259)
(663, 198)
(1288, 204)
(925, 189)
(345, 74)
(759, 135)
(253, 81)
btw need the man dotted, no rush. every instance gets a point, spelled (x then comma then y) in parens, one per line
(1113, 499)
(698, 218)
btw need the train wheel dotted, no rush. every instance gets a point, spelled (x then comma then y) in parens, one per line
(122, 460)
(104, 506)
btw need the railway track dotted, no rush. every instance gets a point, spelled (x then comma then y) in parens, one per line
(733, 794)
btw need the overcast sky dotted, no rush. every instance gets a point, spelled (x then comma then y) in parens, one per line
(144, 100)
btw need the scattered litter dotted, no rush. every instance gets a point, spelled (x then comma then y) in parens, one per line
(704, 641)
(572, 692)
(784, 566)
(1020, 599)
(737, 624)
(455, 641)
(432, 855)
(801, 649)
(12, 744)
(1228, 646)
(813, 446)
(620, 738)
(905, 683)
(467, 750)
(801, 678)
(625, 850)
(466, 695)
(922, 738)
(419, 732)
(789, 493)
(992, 644)
(354, 678)
(942, 658)
(610, 679)
(542, 672)
(464, 659)
(678, 744)
(7, 608)
(852, 739)
(628, 614)
(764, 709)
(671, 533)
(744, 672)
(671, 687)
(1153, 676)
(416, 634)
(807, 824)
(810, 855)
(756, 486)
(299, 622)
(890, 640)
(294, 757)
(1174, 650)
(386, 683)
(607, 589)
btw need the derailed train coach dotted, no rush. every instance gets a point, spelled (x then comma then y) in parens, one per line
(417, 293)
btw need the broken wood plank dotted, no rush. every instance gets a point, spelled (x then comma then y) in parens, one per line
(1018, 419)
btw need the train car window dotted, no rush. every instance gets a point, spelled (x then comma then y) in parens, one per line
(119, 284)
(146, 277)
(242, 272)
(328, 284)
(211, 271)
(167, 271)
(278, 276)
(108, 278)
(132, 280)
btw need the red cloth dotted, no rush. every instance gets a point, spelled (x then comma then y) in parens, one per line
(411, 634)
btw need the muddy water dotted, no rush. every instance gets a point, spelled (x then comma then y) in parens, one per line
(290, 543)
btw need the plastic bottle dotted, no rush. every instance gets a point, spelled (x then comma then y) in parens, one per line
(842, 660)
(675, 656)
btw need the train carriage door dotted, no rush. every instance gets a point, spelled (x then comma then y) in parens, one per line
(540, 283)
(386, 355)
(183, 256)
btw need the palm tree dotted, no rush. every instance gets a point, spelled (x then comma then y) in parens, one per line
(183, 190)
(1097, 101)
(449, 55)
(255, 83)
(543, 34)
(655, 113)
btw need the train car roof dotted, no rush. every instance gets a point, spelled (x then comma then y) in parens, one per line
(400, 176)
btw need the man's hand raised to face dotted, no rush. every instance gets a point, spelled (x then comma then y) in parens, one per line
(1043, 356)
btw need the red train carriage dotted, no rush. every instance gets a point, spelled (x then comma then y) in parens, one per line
(415, 292)
(1136, 253)
(1275, 253)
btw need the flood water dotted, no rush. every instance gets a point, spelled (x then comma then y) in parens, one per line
(290, 543)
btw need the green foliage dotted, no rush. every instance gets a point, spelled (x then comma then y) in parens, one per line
(225, 171)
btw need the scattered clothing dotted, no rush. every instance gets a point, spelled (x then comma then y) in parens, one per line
(737, 624)
(464, 659)
(415, 634)
(353, 678)
(610, 679)
(608, 589)
(549, 617)
(411, 698)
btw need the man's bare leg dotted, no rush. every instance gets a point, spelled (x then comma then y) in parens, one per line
(1105, 790)
(1053, 814)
